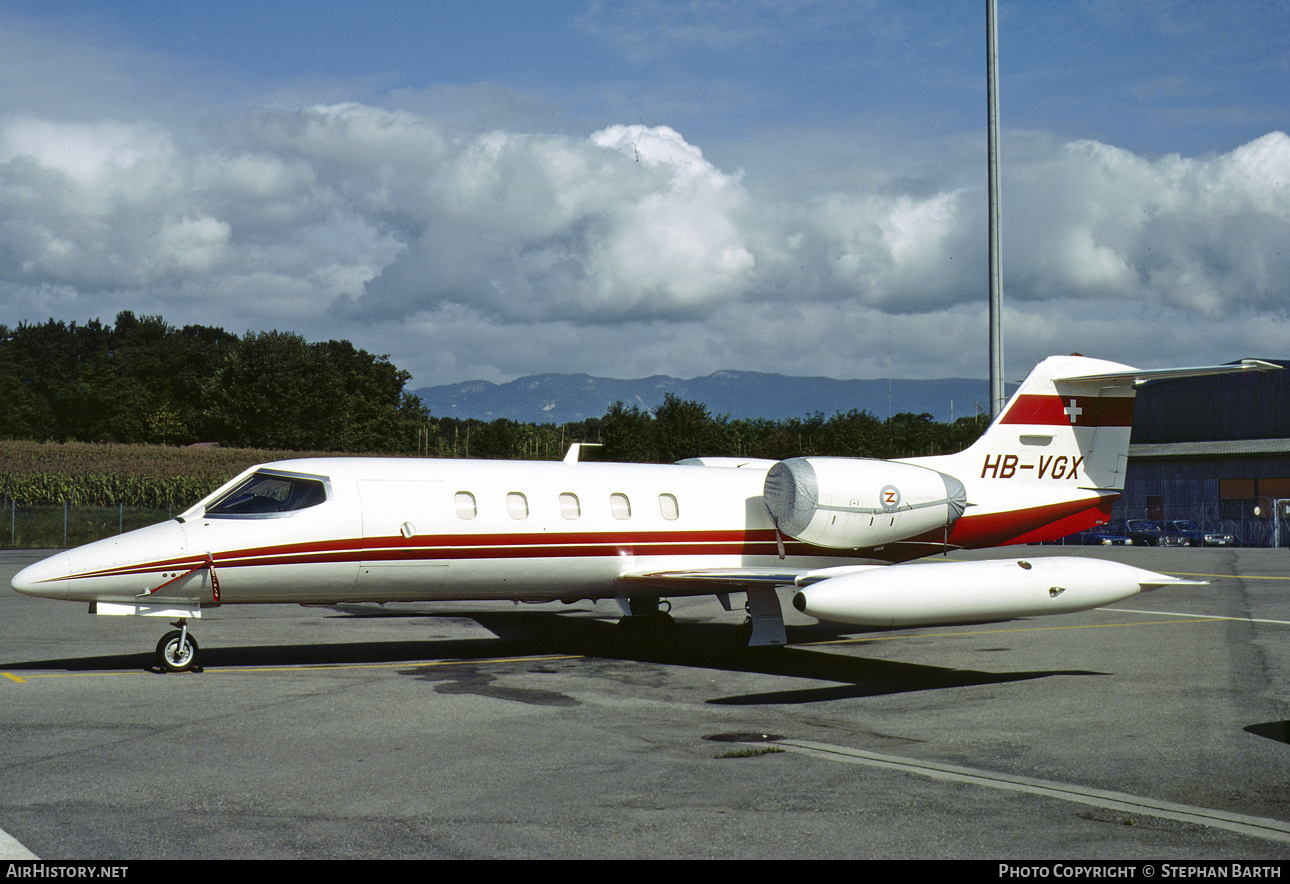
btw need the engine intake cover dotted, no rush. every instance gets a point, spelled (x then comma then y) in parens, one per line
(853, 503)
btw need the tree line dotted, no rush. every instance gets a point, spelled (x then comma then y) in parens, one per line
(680, 428)
(141, 380)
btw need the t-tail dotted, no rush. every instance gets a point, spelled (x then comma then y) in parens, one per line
(1053, 462)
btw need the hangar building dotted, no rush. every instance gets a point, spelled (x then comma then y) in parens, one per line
(1215, 450)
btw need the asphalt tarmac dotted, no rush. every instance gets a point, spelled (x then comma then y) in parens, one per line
(1156, 728)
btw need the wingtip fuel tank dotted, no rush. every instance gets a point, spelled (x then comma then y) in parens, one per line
(974, 592)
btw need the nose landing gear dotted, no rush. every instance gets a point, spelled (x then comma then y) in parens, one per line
(177, 651)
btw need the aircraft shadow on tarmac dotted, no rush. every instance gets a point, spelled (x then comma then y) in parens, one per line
(535, 633)
(1272, 730)
(718, 646)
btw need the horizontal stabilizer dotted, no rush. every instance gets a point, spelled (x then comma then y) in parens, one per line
(1141, 376)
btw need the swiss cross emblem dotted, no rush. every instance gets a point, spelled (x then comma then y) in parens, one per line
(1073, 411)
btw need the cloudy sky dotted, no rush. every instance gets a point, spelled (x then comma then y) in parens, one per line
(495, 189)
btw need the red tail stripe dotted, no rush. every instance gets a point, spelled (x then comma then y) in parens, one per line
(1070, 411)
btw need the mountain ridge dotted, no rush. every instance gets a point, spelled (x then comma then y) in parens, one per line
(561, 398)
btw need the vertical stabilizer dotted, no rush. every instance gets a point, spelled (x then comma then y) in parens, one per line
(1061, 427)
(1054, 460)
(1068, 424)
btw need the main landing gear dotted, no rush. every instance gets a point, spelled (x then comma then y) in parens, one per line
(763, 628)
(645, 615)
(177, 651)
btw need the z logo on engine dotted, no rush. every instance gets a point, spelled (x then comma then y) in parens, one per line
(889, 497)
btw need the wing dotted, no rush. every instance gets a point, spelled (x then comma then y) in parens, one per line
(764, 614)
(702, 581)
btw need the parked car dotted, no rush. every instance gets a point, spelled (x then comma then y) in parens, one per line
(1141, 532)
(1144, 532)
(1103, 535)
(1119, 528)
(1190, 534)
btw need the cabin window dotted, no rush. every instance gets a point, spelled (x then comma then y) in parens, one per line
(668, 506)
(266, 494)
(517, 505)
(620, 506)
(465, 502)
(570, 508)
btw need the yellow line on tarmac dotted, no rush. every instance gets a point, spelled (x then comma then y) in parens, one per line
(29, 677)
(405, 663)
(905, 635)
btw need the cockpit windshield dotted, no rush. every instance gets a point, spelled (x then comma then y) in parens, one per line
(266, 493)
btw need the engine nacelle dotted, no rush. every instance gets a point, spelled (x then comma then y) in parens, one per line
(974, 592)
(851, 503)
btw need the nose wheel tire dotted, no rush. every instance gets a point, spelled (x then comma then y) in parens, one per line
(177, 651)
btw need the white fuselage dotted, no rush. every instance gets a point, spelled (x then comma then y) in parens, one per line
(327, 530)
(421, 529)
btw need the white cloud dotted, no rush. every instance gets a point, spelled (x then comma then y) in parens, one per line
(1203, 235)
(629, 222)
(628, 250)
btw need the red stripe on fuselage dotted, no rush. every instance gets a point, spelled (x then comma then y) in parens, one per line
(1030, 525)
(970, 531)
(474, 547)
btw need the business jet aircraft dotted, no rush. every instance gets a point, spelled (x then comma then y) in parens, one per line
(332, 530)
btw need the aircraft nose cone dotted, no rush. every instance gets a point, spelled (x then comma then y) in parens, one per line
(46, 578)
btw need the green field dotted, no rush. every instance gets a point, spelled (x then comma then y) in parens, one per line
(54, 495)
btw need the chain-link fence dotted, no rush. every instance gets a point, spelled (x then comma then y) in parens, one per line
(1247, 529)
(58, 526)
(1223, 517)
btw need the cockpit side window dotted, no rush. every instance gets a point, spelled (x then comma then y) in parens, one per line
(269, 494)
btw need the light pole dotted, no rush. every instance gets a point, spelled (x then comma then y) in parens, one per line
(997, 399)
